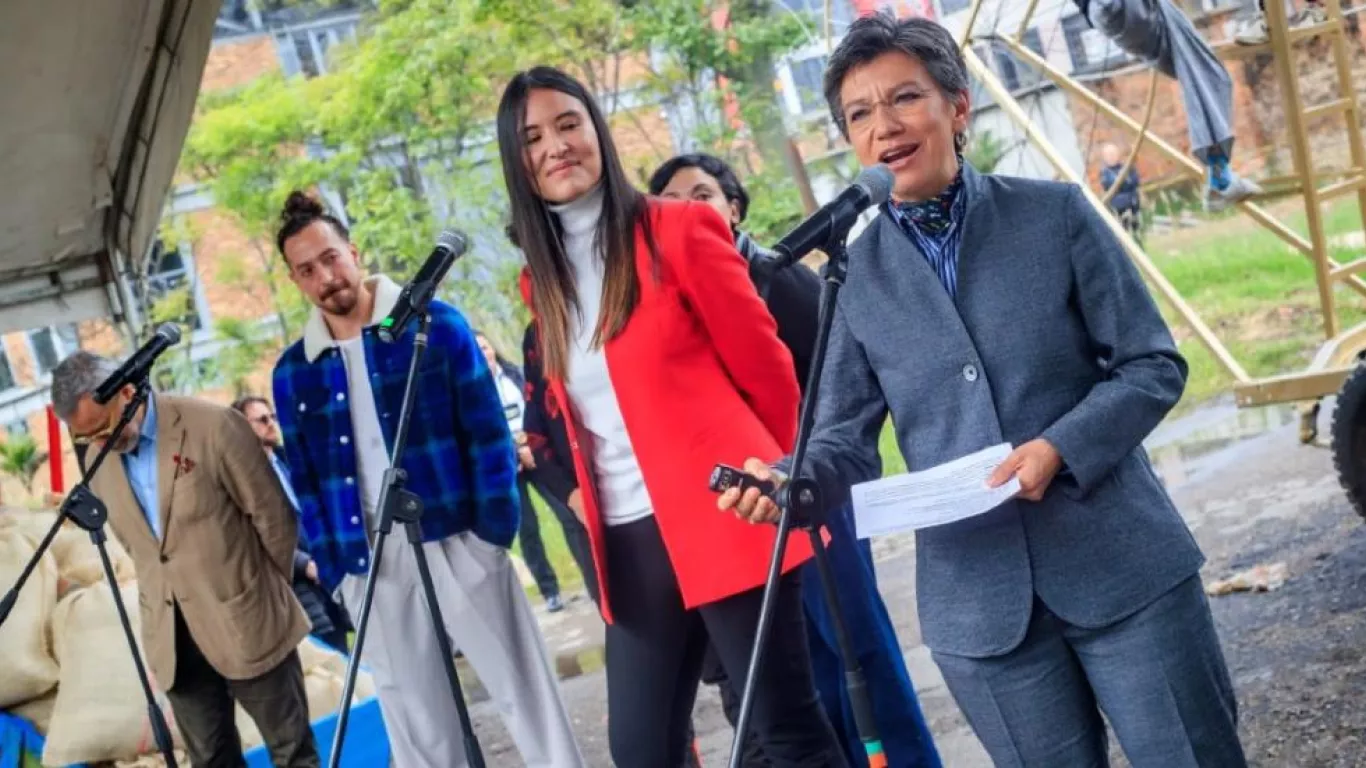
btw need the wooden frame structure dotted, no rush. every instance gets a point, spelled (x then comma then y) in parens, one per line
(1341, 349)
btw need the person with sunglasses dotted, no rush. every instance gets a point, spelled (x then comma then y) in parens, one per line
(190, 495)
(330, 621)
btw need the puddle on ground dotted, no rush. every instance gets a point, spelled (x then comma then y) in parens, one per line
(1194, 443)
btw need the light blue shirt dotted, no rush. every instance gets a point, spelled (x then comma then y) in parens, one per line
(283, 474)
(140, 465)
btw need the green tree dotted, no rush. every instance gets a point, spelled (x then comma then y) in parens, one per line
(21, 459)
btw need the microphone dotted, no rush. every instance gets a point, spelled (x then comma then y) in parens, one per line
(418, 293)
(872, 187)
(136, 368)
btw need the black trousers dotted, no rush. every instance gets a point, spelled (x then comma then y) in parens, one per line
(203, 703)
(533, 549)
(575, 537)
(655, 649)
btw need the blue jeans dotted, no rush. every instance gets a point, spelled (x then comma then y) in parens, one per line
(896, 711)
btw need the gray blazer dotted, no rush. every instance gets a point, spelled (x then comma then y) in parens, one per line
(1053, 334)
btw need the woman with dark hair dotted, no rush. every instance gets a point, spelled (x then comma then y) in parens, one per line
(665, 361)
(982, 309)
(793, 297)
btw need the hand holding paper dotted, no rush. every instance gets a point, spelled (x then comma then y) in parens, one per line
(936, 496)
(1034, 464)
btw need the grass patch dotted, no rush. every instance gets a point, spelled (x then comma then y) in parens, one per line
(1257, 294)
(556, 550)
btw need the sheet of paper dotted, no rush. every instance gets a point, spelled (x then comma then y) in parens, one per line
(935, 496)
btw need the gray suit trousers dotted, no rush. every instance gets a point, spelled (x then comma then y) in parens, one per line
(1158, 675)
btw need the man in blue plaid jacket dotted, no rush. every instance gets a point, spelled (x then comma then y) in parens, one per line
(339, 391)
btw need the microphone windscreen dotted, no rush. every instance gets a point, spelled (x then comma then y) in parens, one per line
(877, 180)
(170, 332)
(454, 240)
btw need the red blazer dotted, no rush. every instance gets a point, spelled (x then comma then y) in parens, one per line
(701, 378)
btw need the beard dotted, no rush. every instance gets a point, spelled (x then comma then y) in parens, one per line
(128, 439)
(340, 301)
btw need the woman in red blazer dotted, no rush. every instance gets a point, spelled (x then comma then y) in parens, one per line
(666, 362)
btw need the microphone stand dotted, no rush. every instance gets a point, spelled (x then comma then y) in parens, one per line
(801, 506)
(86, 509)
(398, 504)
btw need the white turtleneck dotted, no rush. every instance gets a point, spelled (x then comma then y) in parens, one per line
(622, 497)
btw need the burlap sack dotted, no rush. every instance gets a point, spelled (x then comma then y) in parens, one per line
(314, 655)
(38, 712)
(155, 761)
(78, 561)
(100, 713)
(28, 668)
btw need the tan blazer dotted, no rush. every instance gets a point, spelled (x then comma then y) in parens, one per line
(227, 551)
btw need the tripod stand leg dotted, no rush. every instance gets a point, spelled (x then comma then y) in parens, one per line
(160, 730)
(12, 596)
(854, 680)
(353, 661)
(473, 754)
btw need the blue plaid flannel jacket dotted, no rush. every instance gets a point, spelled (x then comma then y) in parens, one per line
(459, 458)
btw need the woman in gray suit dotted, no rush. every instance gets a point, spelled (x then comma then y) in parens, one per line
(982, 309)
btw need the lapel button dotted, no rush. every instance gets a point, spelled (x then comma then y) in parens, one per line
(165, 559)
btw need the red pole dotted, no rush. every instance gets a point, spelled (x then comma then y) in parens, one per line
(54, 451)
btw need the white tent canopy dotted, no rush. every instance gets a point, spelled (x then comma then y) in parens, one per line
(95, 102)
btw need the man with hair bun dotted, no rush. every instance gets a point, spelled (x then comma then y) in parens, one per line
(339, 391)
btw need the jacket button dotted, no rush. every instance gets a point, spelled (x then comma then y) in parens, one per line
(165, 559)
(970, 372)
(168, 603)
(345, 439)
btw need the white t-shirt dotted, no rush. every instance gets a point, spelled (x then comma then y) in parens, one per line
(513, 403)
(622, 497)
(372, 456)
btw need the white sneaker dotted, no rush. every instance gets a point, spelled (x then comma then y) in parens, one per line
(1238, 190)
(1252, 31)
(1308, 17)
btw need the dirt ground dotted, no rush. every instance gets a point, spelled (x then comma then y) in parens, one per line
(1252, 495)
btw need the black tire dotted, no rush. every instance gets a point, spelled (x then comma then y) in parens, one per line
(1349, 438)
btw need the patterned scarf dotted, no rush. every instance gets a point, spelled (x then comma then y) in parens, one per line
(934, 216)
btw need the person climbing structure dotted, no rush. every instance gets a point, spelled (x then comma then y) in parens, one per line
(1158, 32)
(1253, 30)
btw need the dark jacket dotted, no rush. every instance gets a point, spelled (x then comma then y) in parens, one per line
(543, 423)
(793, 296)
(325, 614)
(1126, 198)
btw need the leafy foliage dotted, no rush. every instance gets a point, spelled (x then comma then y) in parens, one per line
(21, 459)
(398, 133)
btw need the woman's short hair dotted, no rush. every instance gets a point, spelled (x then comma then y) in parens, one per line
(711, 165)
(876, 34)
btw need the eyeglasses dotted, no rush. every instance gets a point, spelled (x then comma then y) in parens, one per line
(101, 435)
(265, 419)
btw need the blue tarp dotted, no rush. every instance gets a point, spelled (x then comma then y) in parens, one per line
(367, 745)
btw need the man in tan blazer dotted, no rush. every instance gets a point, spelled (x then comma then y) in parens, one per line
(212, 536)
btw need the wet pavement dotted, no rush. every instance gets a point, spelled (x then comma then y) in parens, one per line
(1251, 493)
